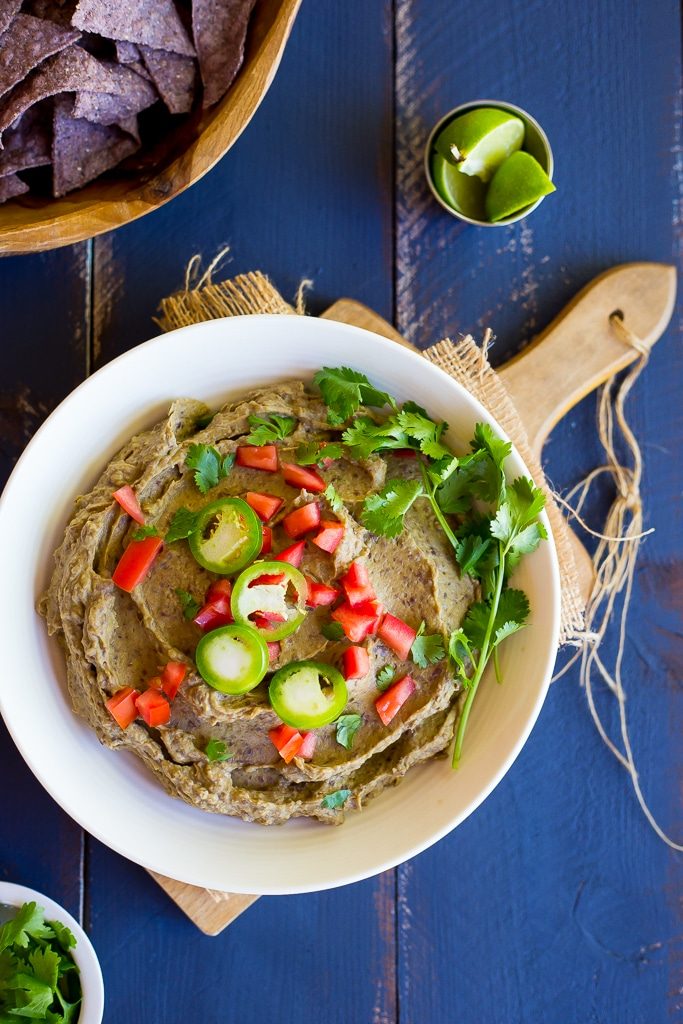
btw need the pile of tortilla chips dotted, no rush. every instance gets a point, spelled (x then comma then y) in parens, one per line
(85, 83)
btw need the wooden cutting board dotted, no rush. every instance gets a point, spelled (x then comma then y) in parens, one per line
(578, 351)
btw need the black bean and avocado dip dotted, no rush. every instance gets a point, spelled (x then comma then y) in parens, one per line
(283, 606)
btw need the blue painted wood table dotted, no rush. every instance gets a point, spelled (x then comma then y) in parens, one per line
(554, 902)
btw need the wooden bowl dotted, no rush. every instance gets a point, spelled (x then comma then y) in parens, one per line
(34, 224)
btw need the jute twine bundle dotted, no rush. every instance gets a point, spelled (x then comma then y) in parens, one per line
(614, 560)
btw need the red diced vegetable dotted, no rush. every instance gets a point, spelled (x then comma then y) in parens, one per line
(320, 594)
(287, 741)
(308, 742)
(264, 505)
(273, 650)
(269, 617)
(128, 501)
(172, 678)
(405, 453)
(389, 702)
(268, 579)
(330, 537)
(293, 554)
(153, 707)
(298, 476)
(219, 590)
(373, 608)
(267, 545)
(255, 457)
(356, 584)
(135, 562)
(214, 614)
(397, 634)
(122, 706)
(356, 662)
(301, 520)
(355, 626)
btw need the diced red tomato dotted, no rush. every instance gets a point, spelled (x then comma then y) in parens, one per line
(330, 536)
(293, 554)
(397, 634)
(153, 707)
(258, 457)
(308, 742)
(374, 608)
(405, 453)
(302, 520)
(267, 545)
(287, 741)
(356, 626)
(273, 650)
(128, 500)
(172, 678)
(356, 584)
(268, 579)
(298, 476)
(320, 594)
(135, 562)
(389, 702)
(122, 706)
(264, 505)
(268, 618)
(219, 590)
(356, 662)
(214, 614)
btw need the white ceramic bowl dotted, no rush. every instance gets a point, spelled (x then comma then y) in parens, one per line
(83, 953)
(110, 793)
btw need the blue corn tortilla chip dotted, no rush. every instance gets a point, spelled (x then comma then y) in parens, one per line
(8, 8)
(27, 43)
(30, 143)
(174, 76)
(220, 30)
(126, 53)
(11, 185)
(150, 22)
(81, 150)
(133, 95)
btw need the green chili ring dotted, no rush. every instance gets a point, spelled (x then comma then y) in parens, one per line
(248, 600)
(227, 536)
(298, 697)
(232, 659)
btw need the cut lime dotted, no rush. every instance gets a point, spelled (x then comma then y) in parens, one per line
(517, 183)
(462, 192)
(479, 141)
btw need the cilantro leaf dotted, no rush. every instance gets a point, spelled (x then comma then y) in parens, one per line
(513, 609)
(216, 750)
(427, 650)
(475, 477)
(364, 437)
(188, 603)
(182, 525)
(384, 513)
(335, 799)
(486, 440)
(344, 390)
(333, 499)
(470, 552)
(266, 429)
(385, 677)
(32, 998)
(314, 453)
(27, 923)
(347, 727)
(426, 432)
(45, 964)
(522, 505)
(332, 630)
(208, 464)
(145, 531)
(461, 653)
(64, 936)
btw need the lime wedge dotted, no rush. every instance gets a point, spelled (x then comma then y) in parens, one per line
(479, 141)
(517, 183)
(459, 191)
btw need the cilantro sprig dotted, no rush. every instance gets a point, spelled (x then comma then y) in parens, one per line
(427, 649)
(344, 391)
(39, 980)
(336, 799)
(209, 465)
(347, 727)
(188, 603)
(217, 750)
(273, 427)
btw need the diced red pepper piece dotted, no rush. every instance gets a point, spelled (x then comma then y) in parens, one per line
(298, 476)
(153, 707)
(389, 702)
(320, 594)
(356, 626)
(135, 562)
(405, 453)
(308, 742)
(302, 520)
(172, 678)
(356, 662)
(273, 650)
(266, 618)
(219, 590)
(258, 457)
(268, 579)
(293, 554)
(128, 500)
(330, 536)
(214, 614)
(264, 505)
(267, 545)
(374, 608)
(397, 634)
(122, 706)
(356, 584)
(287, 741)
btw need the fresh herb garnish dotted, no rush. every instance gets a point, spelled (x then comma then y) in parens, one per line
(39, 980)
(347, 727)
(332, 630)
(182, 525)
(266, 429)
(314, 452)
(188, 603)
(344, 390)
(336, 799)
(333, 499)
(145, 531)
(216, 750)
(385, 677)
(384, 513)
(209, 465)
(427, 650)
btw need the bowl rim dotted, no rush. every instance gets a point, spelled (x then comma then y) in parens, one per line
(85, 957)
(406, 850)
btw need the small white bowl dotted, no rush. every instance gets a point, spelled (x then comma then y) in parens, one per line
(85, 957)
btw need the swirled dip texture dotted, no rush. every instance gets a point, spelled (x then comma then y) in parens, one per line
(113, 639)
